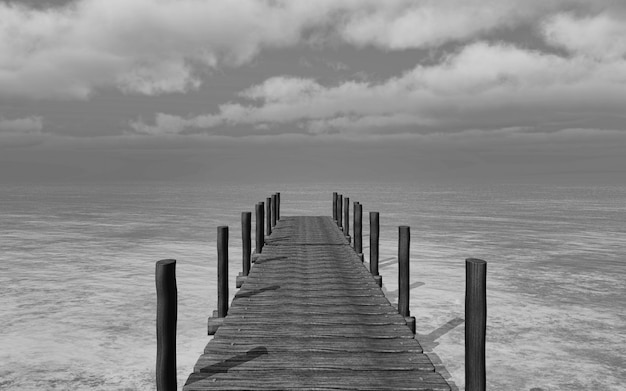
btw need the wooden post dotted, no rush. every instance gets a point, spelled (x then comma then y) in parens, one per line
(222, 271)
(268, 215)
(246, 239)
(217, 319)
(277, 206)
(246, 244)
(475, 323)
(273, 210)
(260, 232)
(346, 217)
(403, 275)
(354, 206)
(374, 242)
(335, 206)
(339, 214)
(167, 313)
(358, 228)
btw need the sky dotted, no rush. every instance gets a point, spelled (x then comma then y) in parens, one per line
(295, 90)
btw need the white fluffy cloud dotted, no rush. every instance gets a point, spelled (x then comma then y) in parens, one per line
(601, 36)
(158, 46)
(21, 125)
(482, 86)
(142, 46)
(171, 124)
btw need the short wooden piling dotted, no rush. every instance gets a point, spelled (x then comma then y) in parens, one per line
(335, 206)
(260, 231)
(167, 313)
(346, 217)
(246, 247)
(268, 216)
(339, 214)
(475, 323)
(403, 275)
(277, 206)
(358, 229)
(374, 243)
(273, 210)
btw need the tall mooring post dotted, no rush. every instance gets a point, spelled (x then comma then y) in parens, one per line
(222, 281)
(374, 243)
(246, 247)
(346, 217)
(274, 208)
(268, 215)
(403, 276)
(260, 231)
(339, 208)
(167, 313)
(358, 229)
(475, 323)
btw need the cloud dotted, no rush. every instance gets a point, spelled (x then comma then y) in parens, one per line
(139, 46)
(399, 25)
(277, 89)
(601, 36)
(165, 46)
(21, 125)
(165, 124)
(483, 85)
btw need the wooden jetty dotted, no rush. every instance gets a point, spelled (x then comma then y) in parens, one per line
(309, 315)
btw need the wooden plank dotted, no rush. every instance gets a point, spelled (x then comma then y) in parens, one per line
(313, 308)
(315, 360)
(317, 379)
(299, 318)
(304, 343)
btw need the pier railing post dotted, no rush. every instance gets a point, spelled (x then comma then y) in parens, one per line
(374, 242)
(335, 206)
(260, 231)
(346, 217)
(339, 211)
(475, 323)
(358, 229)
(403, 275)
(268, 215)
(167, 313)
(273, 210)
(246, 244)
(354, 206)
(222, 271)
(222, 281)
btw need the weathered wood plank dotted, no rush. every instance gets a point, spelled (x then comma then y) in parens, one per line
(299, 318)
(315, 360)
(346, 331)
(312, 309)
(318, 380)
(303, 344)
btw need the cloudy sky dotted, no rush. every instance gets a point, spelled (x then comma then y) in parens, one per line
(475, 90)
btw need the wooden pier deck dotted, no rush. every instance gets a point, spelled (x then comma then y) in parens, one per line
(311, 316)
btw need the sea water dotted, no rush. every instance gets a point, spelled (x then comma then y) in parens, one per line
(78, 301)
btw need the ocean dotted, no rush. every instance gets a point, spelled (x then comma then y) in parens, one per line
(78, 300)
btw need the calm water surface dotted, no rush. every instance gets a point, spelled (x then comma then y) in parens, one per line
(77, 296)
